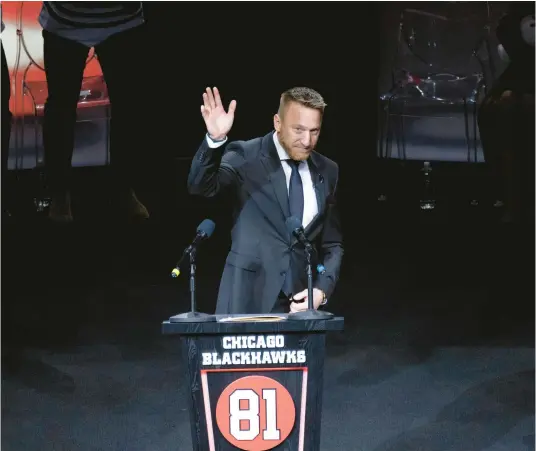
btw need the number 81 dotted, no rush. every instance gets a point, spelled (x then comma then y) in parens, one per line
(253, 414)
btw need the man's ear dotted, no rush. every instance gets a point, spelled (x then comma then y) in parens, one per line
(277, 123)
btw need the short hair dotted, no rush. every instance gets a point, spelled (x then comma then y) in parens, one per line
(304, 96)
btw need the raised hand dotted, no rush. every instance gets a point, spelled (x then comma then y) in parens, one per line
(218, 121)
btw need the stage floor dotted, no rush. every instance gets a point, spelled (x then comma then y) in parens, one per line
(437, 355)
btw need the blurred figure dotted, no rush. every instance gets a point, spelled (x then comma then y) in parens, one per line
(506, 117)
(116, 30)
(6, 126)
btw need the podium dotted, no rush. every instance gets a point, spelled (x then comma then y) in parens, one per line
(256, 381)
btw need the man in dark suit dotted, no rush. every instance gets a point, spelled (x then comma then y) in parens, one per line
(272, 178)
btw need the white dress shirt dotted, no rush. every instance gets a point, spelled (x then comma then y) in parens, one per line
(310, 205)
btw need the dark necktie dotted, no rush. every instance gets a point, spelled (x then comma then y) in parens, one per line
(295, 201)
(295, 192)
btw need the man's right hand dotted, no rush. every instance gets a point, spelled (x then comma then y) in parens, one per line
(218, 121)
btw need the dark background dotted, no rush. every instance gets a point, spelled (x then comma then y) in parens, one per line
(252, 52)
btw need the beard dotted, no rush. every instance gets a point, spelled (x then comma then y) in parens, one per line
(295, 153)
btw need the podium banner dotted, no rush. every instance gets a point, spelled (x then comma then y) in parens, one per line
(255, 386)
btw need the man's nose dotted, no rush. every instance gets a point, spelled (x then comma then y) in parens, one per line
(306, 139)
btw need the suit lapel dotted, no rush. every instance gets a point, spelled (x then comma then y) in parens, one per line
(274, 169)
(276, 175)
(319, 183)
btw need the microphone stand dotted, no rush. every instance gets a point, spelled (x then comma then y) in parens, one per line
(311, 313)
(192, 316)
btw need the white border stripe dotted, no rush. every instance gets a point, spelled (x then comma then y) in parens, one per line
(301, 442)
(208, 413)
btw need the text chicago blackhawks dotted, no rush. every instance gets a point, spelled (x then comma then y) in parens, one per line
(253, 350)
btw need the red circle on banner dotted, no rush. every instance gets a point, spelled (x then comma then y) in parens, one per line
(255, 413)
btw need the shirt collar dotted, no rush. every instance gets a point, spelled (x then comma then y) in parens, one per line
(283, 155)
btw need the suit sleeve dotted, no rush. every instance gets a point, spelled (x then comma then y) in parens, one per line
(331, 247)
(214, 169)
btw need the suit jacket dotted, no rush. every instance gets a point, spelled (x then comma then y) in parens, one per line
(262, 249)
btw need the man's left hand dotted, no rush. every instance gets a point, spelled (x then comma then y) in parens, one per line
(303, 298)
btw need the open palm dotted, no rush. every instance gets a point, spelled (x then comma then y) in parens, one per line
(218, 121)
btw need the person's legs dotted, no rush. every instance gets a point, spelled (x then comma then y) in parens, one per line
(6, 125)
(64, 62)
(123, 66)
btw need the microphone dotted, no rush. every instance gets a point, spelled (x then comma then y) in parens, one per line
(294, 227)
(204, 231)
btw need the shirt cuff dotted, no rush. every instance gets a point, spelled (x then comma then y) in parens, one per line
(215, 144)
(325, 299)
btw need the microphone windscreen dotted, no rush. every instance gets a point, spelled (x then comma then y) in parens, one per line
(206, 227)
(292, 224)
